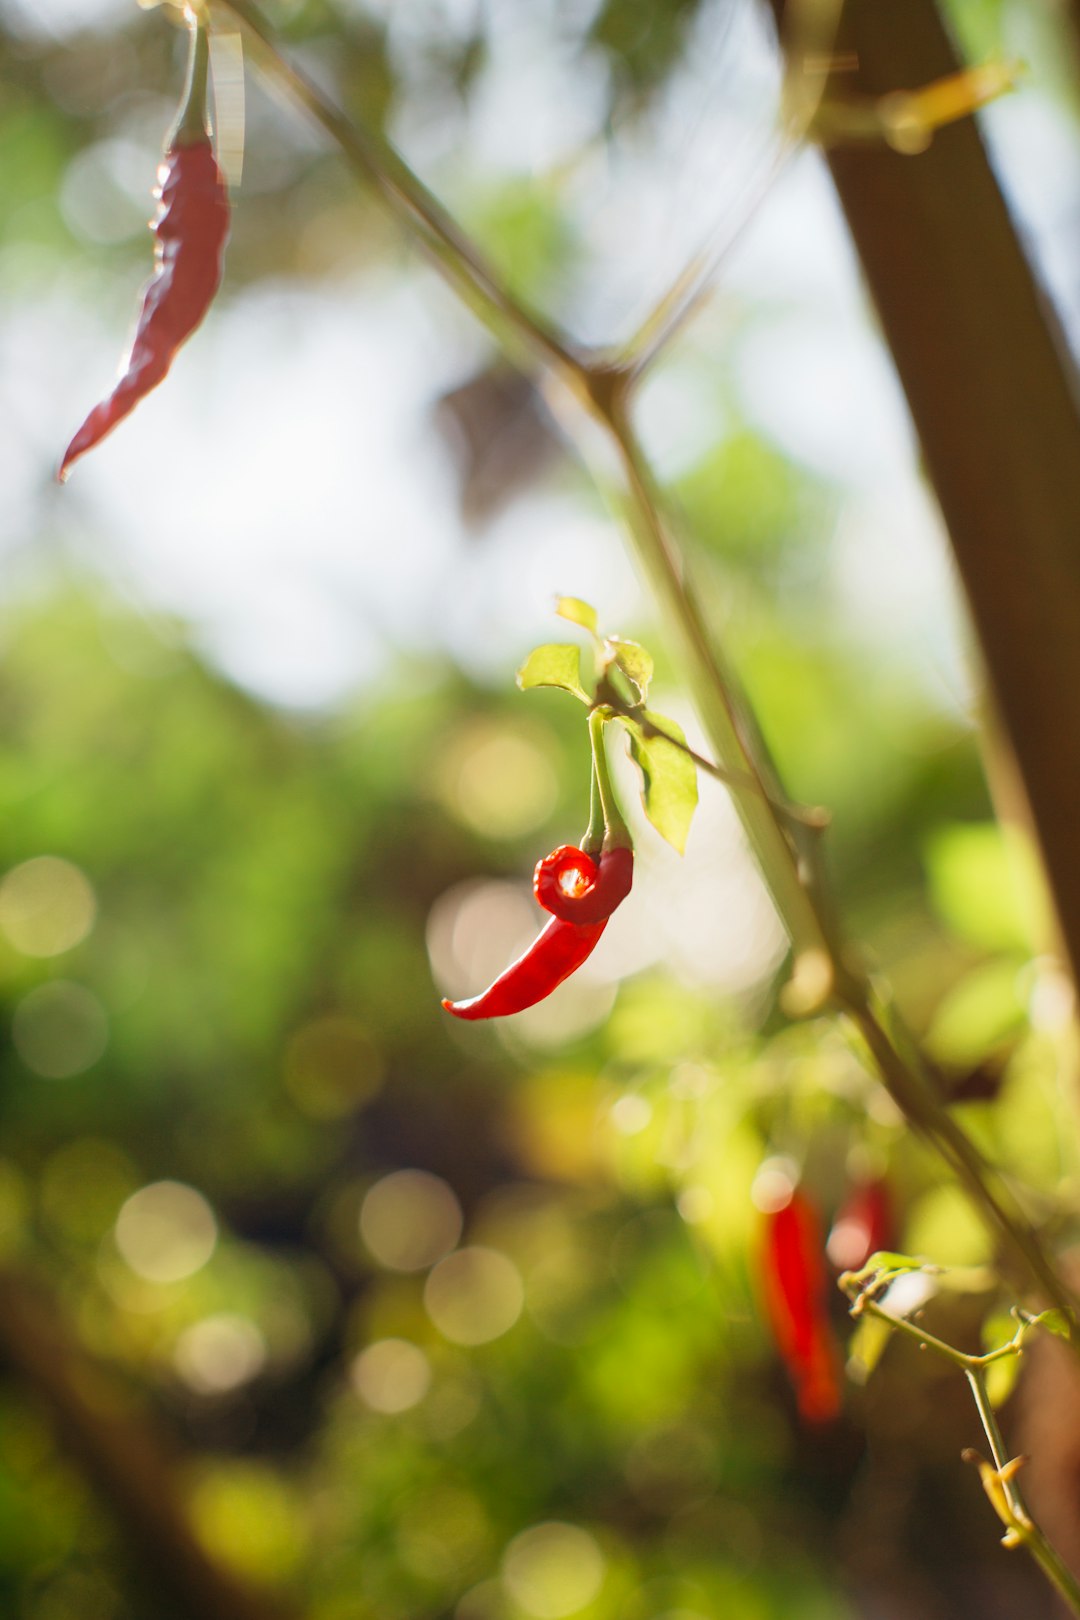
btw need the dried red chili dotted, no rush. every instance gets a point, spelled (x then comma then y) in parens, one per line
(794, 1280)
(191, 229)
(571, 885)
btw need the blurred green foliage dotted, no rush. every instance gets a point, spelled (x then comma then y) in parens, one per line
(260, 890)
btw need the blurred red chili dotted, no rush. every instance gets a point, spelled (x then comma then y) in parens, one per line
(863, 1225)
(571, 885)
(794, 1281)
(191, 229)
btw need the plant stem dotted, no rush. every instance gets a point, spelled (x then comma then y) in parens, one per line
(690, 290)
(726, 721)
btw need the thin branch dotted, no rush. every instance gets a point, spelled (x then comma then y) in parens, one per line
(696, 282)
(817, 819)
(791, 863)
(453, 253)
(786, 858)
(808, 63)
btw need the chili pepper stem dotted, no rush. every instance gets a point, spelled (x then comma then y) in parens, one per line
(193, 121)
(593, 841)
(616, 832)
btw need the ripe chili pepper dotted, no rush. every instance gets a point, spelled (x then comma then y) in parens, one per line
(863, 1225)
(595, 889)
(794, 1280)
(571, 885)
(191, 228)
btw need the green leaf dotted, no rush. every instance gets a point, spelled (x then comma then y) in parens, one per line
(554, 664)
(577, 611)
(670, 790)
(1055, 1322)
(635, 662)
(887, 1262)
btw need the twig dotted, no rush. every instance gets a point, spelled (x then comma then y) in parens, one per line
(999, 1481)
(808, 63)
(454, 253)
(817, 819)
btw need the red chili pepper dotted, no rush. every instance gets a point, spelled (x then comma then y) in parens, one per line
(794, 1279)
(191, 227)
(571, 885)
(585, 903)
(863, 1225)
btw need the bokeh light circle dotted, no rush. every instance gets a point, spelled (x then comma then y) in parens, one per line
(166, 1232)
(474, 1296)
(410, 1219)
(220, 1353)
(552, 1570)
(391, 1375)
(47, 906)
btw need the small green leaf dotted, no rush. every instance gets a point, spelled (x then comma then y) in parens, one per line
(554, 664)
(1055, 1322)
(577, 611)
(635, 662)
(670, 790)
(886, 1262)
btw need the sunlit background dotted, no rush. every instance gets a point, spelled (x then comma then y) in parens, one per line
(419, 1319)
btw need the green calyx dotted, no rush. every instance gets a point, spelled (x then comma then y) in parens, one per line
(192, 125)
(607, 828)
